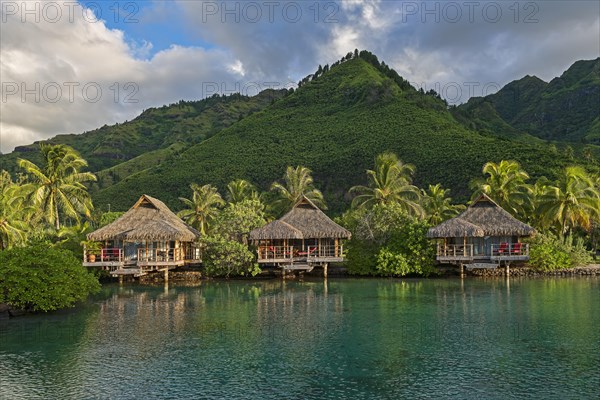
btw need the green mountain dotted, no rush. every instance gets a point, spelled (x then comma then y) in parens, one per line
(566, 109)
(336, 123)
(152, 136)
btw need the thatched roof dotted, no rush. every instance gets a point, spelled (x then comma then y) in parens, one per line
(456, 227)
(304, 221)
(276, 230)
(482, 218)
(148, 219)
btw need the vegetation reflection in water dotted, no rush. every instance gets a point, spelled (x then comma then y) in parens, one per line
(313, 339)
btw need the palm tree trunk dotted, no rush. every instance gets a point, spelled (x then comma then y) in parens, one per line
(56, 221)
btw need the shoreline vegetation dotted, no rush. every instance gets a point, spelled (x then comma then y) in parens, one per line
(47, 211)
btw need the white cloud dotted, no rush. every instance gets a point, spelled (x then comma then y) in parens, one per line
(64, 65)
(426, 49)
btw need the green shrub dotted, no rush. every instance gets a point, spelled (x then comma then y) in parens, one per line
(549, 252)
(224, 257)
(109, 217)
(235, 221)
(42, 278)
(361, 256)
(387, 242)
(391, 263)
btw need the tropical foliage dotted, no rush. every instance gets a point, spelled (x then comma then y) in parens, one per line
(573, 202)
(236, 220)
(550, 252)
(390, 182)
(438, 205)
(14, 212)
(57, 187)
(386, 241)
(42, 278)
(225, 257)
(298, 182)
(240, 190)
(505, 183)
(202, 208)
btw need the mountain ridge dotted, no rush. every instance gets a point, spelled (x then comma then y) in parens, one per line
(335, 122)
(564, 109)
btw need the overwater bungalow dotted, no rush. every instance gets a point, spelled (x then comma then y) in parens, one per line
(483, 236)
(300, 240)
(148, 237)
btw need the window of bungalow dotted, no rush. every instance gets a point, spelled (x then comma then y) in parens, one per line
(478, 246)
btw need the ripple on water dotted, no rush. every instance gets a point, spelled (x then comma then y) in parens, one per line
(354, 339)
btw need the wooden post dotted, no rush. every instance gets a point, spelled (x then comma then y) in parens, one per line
(325, 270)
(465, 246)
(335, 247)
(507, 269)
(166, 275)
(120, 279)
(462, 270)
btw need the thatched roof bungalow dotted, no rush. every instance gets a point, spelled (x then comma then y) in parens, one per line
(305, 233)
(483, 231)
(148, 234)
(148, 220)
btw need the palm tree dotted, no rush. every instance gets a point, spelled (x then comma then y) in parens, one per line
(14, 212)
(438, 206)
(298, 183)
(58, 186)
(389, 182)
(202, 208)
(505, 184)
(240, 190)
(537, 192)
(573, 202)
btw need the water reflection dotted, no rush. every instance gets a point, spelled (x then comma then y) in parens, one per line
(319, 339)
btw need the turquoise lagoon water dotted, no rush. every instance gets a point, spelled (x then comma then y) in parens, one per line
(535, 338)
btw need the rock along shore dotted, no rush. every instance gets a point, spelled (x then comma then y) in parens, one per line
(589, 270)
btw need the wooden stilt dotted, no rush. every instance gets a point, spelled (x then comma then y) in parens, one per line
(325, 270)
(166, 275)
(462, 270)
(507, 270)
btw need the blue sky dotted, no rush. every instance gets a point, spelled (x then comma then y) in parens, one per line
(149, 53)
(147, 22)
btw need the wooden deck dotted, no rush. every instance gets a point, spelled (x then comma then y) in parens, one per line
(289, 255)
(301, 260)
(114, 261)
(496, 253)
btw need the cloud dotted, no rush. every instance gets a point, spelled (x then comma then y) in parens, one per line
(70, 76)
(230, 46)
(487, 43)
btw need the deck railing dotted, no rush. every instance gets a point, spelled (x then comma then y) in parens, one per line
(291, 252)
(275, 252)
(325, 251)
(455, 250)
(510, 249)
(160, 255)
(104, 255)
